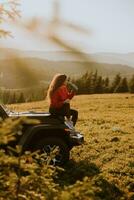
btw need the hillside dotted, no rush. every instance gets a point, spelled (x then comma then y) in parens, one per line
(100, 57)
(115, 58)
(103, 168)
(45, 69)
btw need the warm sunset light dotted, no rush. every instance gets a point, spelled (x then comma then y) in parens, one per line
(66, 100)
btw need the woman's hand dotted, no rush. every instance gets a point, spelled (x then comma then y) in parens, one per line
(67, 101)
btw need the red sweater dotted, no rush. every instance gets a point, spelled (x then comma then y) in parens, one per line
(59, 96)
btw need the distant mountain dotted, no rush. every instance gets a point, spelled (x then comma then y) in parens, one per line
(110, 58)
(114, 58)
(11, 76)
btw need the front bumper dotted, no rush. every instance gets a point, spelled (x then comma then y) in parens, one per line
(76, 138)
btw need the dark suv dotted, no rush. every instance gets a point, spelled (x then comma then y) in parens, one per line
(49, 134)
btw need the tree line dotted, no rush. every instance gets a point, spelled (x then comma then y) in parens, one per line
(11, 96)
(88, 83)
(93, 83)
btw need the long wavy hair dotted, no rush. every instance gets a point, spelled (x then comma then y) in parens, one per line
(56, 82)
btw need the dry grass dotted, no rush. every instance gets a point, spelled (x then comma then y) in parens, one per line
(107, 122)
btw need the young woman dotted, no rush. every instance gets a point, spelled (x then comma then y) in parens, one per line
(60, 97)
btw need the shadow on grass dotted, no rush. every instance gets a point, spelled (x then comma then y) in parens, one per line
(101, 187)
(107, 190)
(75, 171)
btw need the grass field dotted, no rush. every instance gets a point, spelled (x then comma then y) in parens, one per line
(107, 157)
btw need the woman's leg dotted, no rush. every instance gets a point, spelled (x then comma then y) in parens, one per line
(63, 111)
(52, 111)
(56, 113)
(74, 114)
(66, 111)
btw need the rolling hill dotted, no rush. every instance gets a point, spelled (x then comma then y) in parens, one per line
(101, 57)
(11, 73)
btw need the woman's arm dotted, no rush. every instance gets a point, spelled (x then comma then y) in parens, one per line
(71, 94)
(63, 96)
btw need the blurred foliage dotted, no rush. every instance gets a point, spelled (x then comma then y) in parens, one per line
(51, 30)
(41, 29)
(8, 11)
(24, 71)
(101, 169)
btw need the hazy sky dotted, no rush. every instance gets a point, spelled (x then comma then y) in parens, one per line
(111, 23)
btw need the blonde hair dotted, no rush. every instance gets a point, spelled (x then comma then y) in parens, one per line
(56, 82)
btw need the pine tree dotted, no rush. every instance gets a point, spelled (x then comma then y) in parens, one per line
(106, 85)
(86, 79)
(122, 86)
(99, 85)
(14, 98)
(115, 82)
(79, 84)
(84, 83)
(5, 97)
(131, 85)
(93, 82)
(21, 98)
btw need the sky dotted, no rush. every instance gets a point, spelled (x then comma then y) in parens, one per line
(110, 24)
